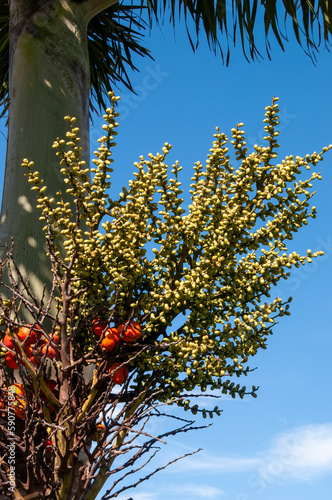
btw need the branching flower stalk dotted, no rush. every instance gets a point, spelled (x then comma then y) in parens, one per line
(113, 353)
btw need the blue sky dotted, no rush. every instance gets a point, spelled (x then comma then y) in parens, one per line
(280, 444)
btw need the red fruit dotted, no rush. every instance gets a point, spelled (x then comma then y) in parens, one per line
(110, 340)
(119, 376)
(132, 333)
(2, 407)
(8, 341)
(50, 351)
(19, 403)
(34, 360)
(54, 338)
(30, 354)
(29, 332)
(19, 409)
(11, 361)
(48, 445)
(98, 326)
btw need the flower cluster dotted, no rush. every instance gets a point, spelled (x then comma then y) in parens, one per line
(127, 268)
(145, 255)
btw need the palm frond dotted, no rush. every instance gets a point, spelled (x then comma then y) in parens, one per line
(113, 39)
(223, 21)
(115, 35)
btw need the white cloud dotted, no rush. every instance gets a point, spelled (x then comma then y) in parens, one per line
(203, 463)
(194, 490)
(301, 454)
(182, 491)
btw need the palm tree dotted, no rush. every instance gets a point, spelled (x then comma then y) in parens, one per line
(60, 57)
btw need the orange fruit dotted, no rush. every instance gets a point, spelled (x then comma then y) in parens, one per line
(119, 376)
(11, 361)
(98, 433)
(132, 333)
(50, 351)
(19, 403)
(8, 341)
(19, 409)
(19, 389)
(30, 332)
(2, 407)
(110, 340)
(98, 326)
(31, 354)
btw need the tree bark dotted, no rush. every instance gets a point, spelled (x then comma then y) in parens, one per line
(49, 78)
(92, 7)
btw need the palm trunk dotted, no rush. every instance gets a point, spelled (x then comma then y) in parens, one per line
(49, 78)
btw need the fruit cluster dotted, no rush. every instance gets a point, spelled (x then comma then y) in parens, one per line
(29, 339)
(16, 393)
(18, 401)
(130, 332)
(110, 337)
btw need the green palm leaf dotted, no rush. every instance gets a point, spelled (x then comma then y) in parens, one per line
(118, 31)
(116, 34)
